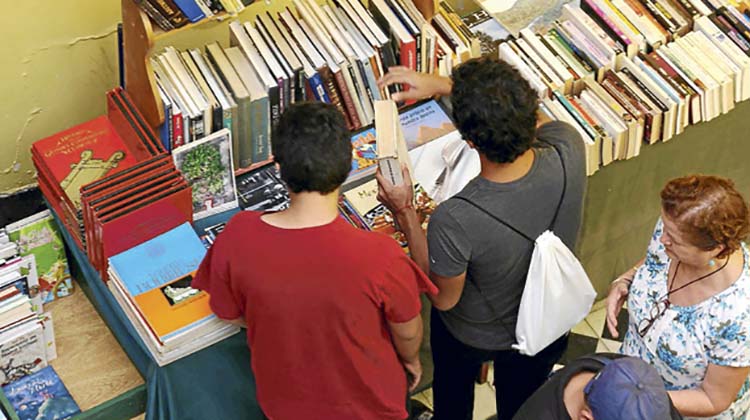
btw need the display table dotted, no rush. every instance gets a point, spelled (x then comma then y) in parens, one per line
(215, 383)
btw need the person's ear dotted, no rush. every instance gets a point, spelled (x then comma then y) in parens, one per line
(718, 250)
(585, 414)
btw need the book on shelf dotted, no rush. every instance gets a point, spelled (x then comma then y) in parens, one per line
(39, 235)
(208, 168)
(41, 395)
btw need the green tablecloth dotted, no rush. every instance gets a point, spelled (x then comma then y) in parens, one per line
(215, 383)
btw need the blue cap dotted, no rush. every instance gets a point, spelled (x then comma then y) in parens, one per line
(628, 388)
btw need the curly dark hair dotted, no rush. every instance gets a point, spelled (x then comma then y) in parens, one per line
(708, 210)
(311, 144)
(495, 108)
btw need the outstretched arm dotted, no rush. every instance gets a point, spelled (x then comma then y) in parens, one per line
(421, 85)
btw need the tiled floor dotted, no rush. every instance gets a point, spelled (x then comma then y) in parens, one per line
(590, 336)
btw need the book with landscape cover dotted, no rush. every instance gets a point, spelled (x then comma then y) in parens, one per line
(208, 167)
(41, 396)
(39, 235)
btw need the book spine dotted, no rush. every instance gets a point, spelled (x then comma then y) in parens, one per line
(155, 15)
(260, 130)
(190, 9)
(300, 93)
(170, 11)
(567, 40)
(347, 98)
(559, 58)
(330, 87)
(724, 26)
(598, 14)
(734, 23)
(178, 131)
(661, 71)
(646, 90)
(688, 7)
(317, 89)
(660, 15)
(575, 114)
(274, 96)
(165, 133)
(408, 54)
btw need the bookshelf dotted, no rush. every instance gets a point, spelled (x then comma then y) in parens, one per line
(141, 38)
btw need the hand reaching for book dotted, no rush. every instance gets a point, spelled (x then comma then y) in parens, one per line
(396, 198)
(421, 85)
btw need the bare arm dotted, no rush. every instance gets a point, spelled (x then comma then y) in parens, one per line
(714, 395)
(421, 85)
(407, 338)
(618, 293)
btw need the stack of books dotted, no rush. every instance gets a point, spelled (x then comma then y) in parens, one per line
(634, 72)
(88, 152)
(27, 338)
(152, 284)
(333, 53)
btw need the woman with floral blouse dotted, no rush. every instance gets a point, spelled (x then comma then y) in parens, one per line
(689, 299)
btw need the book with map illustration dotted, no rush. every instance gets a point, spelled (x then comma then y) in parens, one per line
(41, 396)
(39, 235)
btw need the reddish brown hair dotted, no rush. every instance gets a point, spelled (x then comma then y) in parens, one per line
(708, 210)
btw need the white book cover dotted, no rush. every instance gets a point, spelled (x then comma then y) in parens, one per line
(22, 351)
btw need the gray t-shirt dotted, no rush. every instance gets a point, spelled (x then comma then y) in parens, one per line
(462, 238)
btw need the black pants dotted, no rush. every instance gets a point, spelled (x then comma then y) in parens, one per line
(457, 366)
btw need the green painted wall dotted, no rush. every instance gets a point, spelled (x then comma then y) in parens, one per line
(58, 58)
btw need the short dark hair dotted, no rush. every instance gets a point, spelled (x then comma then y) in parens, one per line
(311, 144)
(495, 108)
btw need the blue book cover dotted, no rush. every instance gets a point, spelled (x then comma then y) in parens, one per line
(190, 9)
(364, 153)
(41, 396)
(171, 255)
(319, 92)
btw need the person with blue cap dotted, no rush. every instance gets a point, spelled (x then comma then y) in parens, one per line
(601, 386)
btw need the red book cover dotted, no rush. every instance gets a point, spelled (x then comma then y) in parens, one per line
(330, 87)
(82, 154)
(119, 101)
(347, 97)
(143, 222)
(138, 199)
(98, 203)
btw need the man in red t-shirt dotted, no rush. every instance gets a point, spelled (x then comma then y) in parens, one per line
(332, 312)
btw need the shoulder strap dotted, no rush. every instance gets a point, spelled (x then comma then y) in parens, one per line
(511, 227)
(565, 184)
(508, 225)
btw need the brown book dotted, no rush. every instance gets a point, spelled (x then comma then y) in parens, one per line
(332, 91)
(347, 99)
(628, 99)
(639, 8)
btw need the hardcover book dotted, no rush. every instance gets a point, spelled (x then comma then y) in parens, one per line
(41, 396)
(262, 190)
(39, 235)
(208, 167)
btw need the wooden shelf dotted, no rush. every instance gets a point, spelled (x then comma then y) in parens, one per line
(141, 39)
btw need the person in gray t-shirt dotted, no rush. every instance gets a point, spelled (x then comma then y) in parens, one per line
(480, 265)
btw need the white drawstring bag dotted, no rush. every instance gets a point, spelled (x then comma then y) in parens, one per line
(557, 295)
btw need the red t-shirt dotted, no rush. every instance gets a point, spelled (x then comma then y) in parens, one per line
(316, 301)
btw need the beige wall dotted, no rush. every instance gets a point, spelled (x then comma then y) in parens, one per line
(58, 58)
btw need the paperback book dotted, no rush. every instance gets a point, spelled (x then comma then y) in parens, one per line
(41, 396)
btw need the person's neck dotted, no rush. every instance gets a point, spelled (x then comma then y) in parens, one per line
(573, 393)
(306, 209)
(506, 172)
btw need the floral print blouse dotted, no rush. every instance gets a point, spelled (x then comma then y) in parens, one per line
(686, 339)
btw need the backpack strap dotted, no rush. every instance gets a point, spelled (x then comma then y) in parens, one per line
(508, 225)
